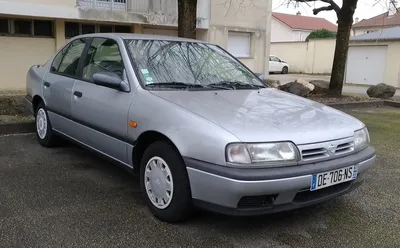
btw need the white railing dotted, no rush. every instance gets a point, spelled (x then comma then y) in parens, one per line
(146, 7)
(104, 4)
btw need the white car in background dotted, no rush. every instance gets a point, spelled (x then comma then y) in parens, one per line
(277, 65)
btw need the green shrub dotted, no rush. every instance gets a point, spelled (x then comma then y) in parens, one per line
(321, 34)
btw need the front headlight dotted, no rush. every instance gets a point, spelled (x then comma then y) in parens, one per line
(281, 152)
(361, 138)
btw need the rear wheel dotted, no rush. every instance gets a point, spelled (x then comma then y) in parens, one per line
(285, 70)
(164, 183)
(44, 131)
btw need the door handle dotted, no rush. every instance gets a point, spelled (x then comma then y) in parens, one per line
(78, 94)
(46, 84)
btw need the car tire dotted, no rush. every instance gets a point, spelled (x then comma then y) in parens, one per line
(165, 184)
(285, 70)
(44, 131)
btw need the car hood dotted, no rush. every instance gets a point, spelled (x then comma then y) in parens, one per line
(266, 115)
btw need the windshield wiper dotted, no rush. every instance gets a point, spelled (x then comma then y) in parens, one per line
(173, 84)
(235, 85)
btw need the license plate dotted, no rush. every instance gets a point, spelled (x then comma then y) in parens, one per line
(329, 178)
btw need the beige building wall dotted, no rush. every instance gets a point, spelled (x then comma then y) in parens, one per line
(17, 55)
(315, 56)
(392, 70)
(247, 16)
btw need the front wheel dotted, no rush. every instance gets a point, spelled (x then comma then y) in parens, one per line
(285, 70)
(164, 183)
(44, 131)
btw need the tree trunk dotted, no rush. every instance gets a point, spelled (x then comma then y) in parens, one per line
(187, 14)
(345, 21)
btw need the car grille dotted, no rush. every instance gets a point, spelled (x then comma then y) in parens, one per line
(321, 151)
(344, 148)
(314, 153)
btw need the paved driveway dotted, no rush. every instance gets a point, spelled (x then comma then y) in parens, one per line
(66, 197)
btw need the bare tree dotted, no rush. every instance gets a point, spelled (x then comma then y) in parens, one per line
(345, 21)
(187, 18)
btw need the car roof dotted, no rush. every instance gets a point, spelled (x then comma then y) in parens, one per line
(131, 36)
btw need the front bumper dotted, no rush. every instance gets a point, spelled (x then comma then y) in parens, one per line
(239, 191)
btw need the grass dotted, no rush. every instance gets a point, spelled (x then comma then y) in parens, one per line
(374, 220)
(12, 109)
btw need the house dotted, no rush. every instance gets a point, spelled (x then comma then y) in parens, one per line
(386, 20)
(373, 58)
(286, 27)
(32, 30)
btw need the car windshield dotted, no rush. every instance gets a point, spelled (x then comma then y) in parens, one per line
(183, 65)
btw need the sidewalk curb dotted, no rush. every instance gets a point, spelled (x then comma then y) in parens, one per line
(392, 104)
(360, 104)
(15, 128)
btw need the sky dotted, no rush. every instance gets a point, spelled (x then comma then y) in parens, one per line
(365, 8)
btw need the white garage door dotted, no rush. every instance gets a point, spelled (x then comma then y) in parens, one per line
(166, 32)
(366, 64)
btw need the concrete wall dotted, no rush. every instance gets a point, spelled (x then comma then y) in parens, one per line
(315, 56)
(392, 71)
(243, 16)
(18, 55)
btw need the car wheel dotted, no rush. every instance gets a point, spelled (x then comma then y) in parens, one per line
(164, 183)
(285, 70)
(44, 131)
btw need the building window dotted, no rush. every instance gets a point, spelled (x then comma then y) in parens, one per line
(239, 44)
(22, 27)
(73, 29)
(122, 29)
(88, 29)
(106, 29)
(43, 28)
(4, 27)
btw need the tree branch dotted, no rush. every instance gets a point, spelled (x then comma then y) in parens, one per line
(325, 8)
(332, 5)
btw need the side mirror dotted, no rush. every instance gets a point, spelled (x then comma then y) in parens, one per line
(109, 79)
(260, 75)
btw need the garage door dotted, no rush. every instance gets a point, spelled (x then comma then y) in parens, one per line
(167, 32)
(366, 64)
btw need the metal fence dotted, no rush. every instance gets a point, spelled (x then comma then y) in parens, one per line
(164, 7)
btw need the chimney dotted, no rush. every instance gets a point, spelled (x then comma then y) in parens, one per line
(357, 20)
(298, 13)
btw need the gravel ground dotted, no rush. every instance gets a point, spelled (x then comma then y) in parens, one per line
(67, 197)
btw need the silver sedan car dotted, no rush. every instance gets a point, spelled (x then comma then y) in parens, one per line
(197, 125)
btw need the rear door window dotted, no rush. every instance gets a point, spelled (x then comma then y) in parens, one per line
(66, 62)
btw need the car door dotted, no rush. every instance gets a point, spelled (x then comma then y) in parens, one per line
(58, 84)
(101, 113)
